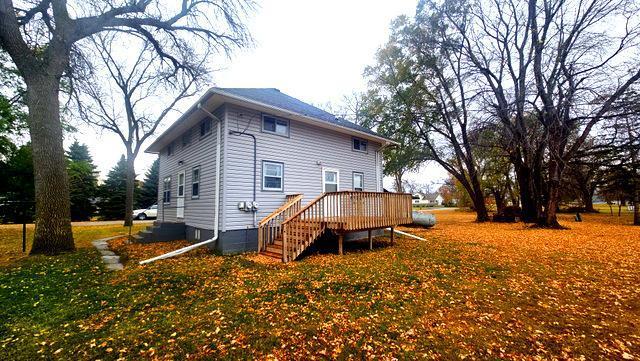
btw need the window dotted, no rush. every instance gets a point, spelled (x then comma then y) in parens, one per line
(358, 181)
(272, 176)
(181, 178)
(166, 190)
(195, 182)
(186, 138)
(359, 144)
(330, 179)
(205, 127)
(274, 125)
(170, 149)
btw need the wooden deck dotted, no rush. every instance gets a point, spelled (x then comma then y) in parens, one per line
(290, 229)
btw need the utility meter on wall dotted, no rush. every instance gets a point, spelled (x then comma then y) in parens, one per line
(248, 206)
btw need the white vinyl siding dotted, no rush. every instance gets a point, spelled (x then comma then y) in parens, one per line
(304, 153)
(200, 152)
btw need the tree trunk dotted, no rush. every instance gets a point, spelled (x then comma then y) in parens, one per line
(500, 201)
(587, 200)
(397, 179)
(131, 179)
(482, 215)
(512, 195)
(53, 215)
(636, 211)
(527, 196)
(550, 219)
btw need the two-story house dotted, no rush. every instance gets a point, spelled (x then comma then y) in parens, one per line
(243, 165)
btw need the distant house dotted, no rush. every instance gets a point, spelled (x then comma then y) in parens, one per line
(434, 198)
(427, 199)
(258, 170)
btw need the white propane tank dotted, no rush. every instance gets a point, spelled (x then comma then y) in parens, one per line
(424, 219)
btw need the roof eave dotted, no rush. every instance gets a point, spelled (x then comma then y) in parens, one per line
(155, 147)
(380, 138)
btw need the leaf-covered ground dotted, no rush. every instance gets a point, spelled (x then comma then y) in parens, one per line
(497, 291)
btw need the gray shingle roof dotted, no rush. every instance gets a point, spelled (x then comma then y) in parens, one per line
(276, 98)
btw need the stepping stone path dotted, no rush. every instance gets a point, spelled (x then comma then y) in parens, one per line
(111, 260)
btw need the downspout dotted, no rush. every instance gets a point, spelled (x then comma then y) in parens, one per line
(255, 170)
(216, 200)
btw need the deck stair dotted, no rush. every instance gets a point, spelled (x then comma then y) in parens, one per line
(291, 229)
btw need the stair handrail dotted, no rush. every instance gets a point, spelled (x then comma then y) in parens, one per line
(318, 198)
(288, 204)
(344, 211)
(270, 227)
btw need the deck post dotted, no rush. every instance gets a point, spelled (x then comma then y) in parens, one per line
(392, 234)
(340, 239)
(370, 240)
(284, 246)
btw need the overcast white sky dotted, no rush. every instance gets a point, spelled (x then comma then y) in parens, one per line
(315, 51)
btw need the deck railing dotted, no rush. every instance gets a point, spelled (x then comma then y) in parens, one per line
(345, 211)
(270, 227)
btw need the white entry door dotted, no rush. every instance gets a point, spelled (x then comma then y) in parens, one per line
(330, 183)
(330, 180)
(180, 198)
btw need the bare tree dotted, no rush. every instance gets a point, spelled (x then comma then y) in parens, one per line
(558, 61)
(423, 68)
(132, 95)
(44, 38)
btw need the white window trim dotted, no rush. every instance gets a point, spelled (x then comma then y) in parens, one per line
(207, 119)
(361, 141)
(184, 184)
(193, 181)
(337, 171)
(165, 189)
(274, 132)
(264, 188)
(353, 181)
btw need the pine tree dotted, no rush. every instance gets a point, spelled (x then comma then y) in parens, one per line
(83, 182)
(148, 194)
(113, 192)
(79, 152)
(17, 184)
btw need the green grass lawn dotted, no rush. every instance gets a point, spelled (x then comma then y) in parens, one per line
(470, 290)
